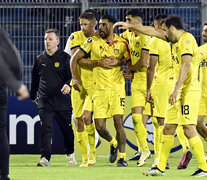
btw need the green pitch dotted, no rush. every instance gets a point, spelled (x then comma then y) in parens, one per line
(23, 167)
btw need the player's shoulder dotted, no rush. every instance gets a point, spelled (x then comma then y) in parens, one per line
(187, 36)
(76, 34)
(145, 37)
(203, 47)
(119, 38)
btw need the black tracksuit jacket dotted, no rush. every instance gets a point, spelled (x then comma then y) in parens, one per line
(49, 75)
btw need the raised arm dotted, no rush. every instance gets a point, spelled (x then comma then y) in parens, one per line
(148, 30)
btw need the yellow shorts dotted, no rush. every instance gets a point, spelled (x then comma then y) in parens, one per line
(138, 95)
(108, 103)
(203, 106)
(88, 101)
(160, 94)
(185, 110)
(77, 99)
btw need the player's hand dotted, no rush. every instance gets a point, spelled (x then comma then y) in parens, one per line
(127, 74)
(35, 101)
(173, 96)
(110, 62)
(149, 96)
(22, 92)
(76, 84)
(123, 25)
(65, 89)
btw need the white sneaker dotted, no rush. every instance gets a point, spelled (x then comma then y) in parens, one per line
(71, 160)
(155, 162)
(143, 158)
(43, 162)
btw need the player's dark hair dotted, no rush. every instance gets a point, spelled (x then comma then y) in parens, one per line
(160, 17)
(88, 15)
(173, 20)
(92, 11)
(53, 31)
(135, 13)
(110, 18)
(205, 24)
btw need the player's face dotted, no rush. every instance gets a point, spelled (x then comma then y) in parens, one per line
(133, 20)
(204, 33)
(104, 28)
(169, 33)
(86, 26)
(157, 25)
(51, 41)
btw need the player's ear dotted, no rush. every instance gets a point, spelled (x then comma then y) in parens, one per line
(95, 23)
(172, 28)
(58, 41)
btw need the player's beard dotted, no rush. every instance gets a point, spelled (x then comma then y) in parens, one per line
(103, 34)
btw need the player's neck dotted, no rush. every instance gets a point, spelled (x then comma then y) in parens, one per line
(52, 51)
(179, 34)
(91, 34)
(110, 38)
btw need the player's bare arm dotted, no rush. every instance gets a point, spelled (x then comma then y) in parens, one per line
(150, 76)
(73, 66)
(186, 62)
(142, 61)
(148, 30)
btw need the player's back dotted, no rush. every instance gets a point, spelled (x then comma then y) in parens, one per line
(187, 45)
(164, 73)
(203, 69)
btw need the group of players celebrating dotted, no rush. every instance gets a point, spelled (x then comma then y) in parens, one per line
(167, 70)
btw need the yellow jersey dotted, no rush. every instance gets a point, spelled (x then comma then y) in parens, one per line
(107, 79)
(136, 44)
(164, 72)
(203, 69)
(86, 75)
(187, 45)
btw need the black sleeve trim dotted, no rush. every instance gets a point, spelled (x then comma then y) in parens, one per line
(167, 39)
(75, 47)
(145, 49)
(186, 54)
(154, 55)
(83, 50)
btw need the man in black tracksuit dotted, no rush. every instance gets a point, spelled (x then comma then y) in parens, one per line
(10, 76)
(50, 78)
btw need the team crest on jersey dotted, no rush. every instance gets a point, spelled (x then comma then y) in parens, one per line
(57, 64)
(116, 51)
(89, 40)
(137, 44)
(72, 37)
(187, 42)
(147, 38)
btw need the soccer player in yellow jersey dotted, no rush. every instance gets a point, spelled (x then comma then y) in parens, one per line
(81, 101)
(160, 83)
(203, 79)
(184, 99)
(139, 51)
(109, 84)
